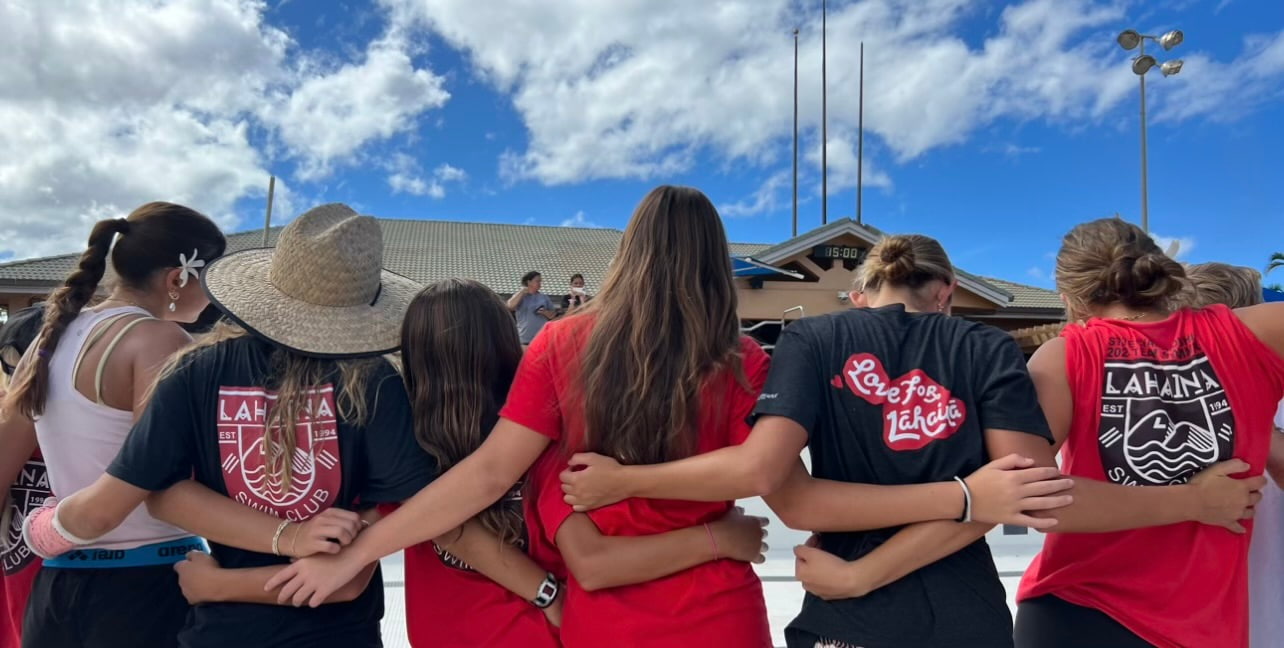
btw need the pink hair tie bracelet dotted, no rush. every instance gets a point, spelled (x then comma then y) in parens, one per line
(45, 535)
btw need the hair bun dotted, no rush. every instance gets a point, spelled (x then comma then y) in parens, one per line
(1156, 277)
(897, 255)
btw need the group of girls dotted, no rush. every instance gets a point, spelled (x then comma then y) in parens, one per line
(581, 493)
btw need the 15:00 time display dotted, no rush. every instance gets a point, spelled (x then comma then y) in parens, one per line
(839, 252)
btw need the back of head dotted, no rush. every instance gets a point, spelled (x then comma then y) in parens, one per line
(905, 261)
(18, 332)
(665, 319)
(1111, 261)
(1221, 283)
(460, 352)
(142, 247)
(21, 329)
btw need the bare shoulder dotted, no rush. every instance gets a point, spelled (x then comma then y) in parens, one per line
(1049, 358)
(153, 339)
(1266, 321)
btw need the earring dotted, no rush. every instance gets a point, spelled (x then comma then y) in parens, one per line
(173, 301)
(940, 308)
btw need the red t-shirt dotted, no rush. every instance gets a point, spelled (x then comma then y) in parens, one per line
(28, 491)
(1154, 404)
(448, 605)
(715, 604)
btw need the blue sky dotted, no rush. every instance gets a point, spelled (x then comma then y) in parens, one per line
(993, 128)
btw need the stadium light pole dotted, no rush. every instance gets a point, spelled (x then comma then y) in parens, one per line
(1131, 39)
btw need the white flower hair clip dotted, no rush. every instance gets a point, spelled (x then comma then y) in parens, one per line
(189, 266)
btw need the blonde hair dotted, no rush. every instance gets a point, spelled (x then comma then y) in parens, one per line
(1111, 261)
(905, 260)
(293, 377)
(1222, 283)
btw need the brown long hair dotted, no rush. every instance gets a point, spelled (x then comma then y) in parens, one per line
(459, 353)
(1112, 261)
(151, 239)
(665, 319)
(294, 378)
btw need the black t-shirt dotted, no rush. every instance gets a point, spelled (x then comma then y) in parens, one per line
(890, 397)
(206, 422)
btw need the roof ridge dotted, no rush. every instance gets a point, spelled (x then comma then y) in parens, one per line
(19, 262)
(524, 225)
(1017, 283)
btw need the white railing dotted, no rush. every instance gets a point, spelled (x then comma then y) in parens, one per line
(784, 319)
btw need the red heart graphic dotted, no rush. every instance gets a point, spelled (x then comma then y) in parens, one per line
(917, 410)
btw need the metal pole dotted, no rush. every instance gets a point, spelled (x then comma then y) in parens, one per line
(824, 123)
(1145, 209)
(267, 221)
(795, 231)
(860, 138)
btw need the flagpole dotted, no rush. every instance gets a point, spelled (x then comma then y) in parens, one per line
(824, 121)
(267, 221)
(860, 138)
(795, 231)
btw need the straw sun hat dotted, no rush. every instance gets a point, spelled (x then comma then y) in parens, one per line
(321, 292)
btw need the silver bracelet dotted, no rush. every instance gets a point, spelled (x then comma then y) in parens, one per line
(548, 591)
(967, 501)
(276, 537)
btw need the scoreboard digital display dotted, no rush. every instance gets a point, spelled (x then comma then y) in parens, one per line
(843, 252)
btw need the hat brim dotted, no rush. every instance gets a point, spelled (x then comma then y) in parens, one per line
(238, 285)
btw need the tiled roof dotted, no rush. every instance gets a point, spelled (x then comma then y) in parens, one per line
(56, 268)
(1024, 296)
(426, 251)
(494, 254)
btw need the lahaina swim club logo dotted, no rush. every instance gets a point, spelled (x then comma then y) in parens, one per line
(315, 469)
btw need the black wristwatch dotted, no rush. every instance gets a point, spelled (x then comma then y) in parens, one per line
(548, 592)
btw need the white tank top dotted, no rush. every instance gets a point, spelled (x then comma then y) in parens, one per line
(80, 437)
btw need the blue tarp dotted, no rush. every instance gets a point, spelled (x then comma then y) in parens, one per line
(1272, 295)
(748, 267)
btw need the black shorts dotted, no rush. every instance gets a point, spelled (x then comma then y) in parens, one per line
(119, 607)
(1050, 622)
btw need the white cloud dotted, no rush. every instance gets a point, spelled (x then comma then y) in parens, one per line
(772, 194)
(1183, 244)
(639, 88)
(405, 176)
(623, 89)
(330, 116)
(108, 104)
(842, 164)
(1012, 150)
(447, 173)
(579, 220)
(1221, 91)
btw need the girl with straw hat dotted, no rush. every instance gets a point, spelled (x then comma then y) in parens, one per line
(289, 409)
